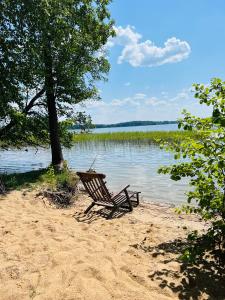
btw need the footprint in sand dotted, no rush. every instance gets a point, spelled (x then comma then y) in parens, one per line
(95, 273)
(140, 280)
(6, 232)
(37, 233)
(33, 225)
(108, 260)
(12, 272)
(50, 228)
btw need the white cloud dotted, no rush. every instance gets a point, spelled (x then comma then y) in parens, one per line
(139, 96)
(118, 102)
(147, 54)
(126, 101)
(124, 36)
(151, 107)
(183, 95)
(141, 99)
(154, 101)
(93, 104)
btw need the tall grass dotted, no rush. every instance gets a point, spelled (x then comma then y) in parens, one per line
(153, 137)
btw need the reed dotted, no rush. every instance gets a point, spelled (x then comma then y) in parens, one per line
(154, 137)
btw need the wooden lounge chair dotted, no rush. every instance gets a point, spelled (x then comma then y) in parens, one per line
(96, 188)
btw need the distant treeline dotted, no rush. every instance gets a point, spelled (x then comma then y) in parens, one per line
(128, 124)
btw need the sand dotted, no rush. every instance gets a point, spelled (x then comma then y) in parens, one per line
(49, 253)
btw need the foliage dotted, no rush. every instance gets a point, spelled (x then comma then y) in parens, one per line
(83, 122)
(68, 37)
(204, 164)
(59, 180)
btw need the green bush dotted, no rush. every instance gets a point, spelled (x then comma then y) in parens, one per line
(204, 165)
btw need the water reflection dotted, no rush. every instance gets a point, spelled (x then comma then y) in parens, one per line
(134, 164)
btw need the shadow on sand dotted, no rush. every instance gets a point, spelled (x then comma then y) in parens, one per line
(205, 280)
(94, 215)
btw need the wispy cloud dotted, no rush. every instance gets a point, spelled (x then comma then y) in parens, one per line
(141, 106)
(183, 95)
(141, 99)
(139, 96)
(146, 53)
(129, 101)
(154, 101)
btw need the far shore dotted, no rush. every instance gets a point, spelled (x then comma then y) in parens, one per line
(49, 253)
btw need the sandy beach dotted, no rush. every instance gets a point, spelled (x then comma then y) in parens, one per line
(49, 253)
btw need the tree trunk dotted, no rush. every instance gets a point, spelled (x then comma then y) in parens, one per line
(57, 156)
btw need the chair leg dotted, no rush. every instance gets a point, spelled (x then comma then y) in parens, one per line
(129, 201)
(130, 205)
(89, 207)
(112, 213)
(135, 199)
(138, 199)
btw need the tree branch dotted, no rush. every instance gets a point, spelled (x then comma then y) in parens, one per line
(32, 101)
(29, 106)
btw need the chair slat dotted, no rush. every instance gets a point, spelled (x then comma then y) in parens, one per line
(103, 191)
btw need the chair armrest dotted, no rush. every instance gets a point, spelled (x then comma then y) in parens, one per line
(122, 191)
(133, 193)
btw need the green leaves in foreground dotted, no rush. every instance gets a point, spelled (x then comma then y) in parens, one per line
(205, 167)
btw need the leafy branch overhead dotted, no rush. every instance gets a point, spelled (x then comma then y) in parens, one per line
(49, 48)
(203, 161)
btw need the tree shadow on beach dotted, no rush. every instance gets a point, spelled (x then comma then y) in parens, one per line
(206, 277)
(18, 181)
(95, 215)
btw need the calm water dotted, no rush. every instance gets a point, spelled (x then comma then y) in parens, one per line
(123, 163)
(166, 127)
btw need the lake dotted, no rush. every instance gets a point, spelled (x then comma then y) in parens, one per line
(164, 127)
(124, 163)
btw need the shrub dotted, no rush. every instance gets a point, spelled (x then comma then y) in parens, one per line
(204, 165)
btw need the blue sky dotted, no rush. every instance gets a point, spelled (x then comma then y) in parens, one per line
(161, 48)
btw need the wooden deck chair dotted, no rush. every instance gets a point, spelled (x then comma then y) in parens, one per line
(96, 188)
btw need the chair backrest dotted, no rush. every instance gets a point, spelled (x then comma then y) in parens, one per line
(95, 186)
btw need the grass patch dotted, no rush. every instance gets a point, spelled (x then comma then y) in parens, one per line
(17, 181)
(151, 137)
(45, 177)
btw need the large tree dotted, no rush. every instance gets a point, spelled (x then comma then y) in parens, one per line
(51, 55)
